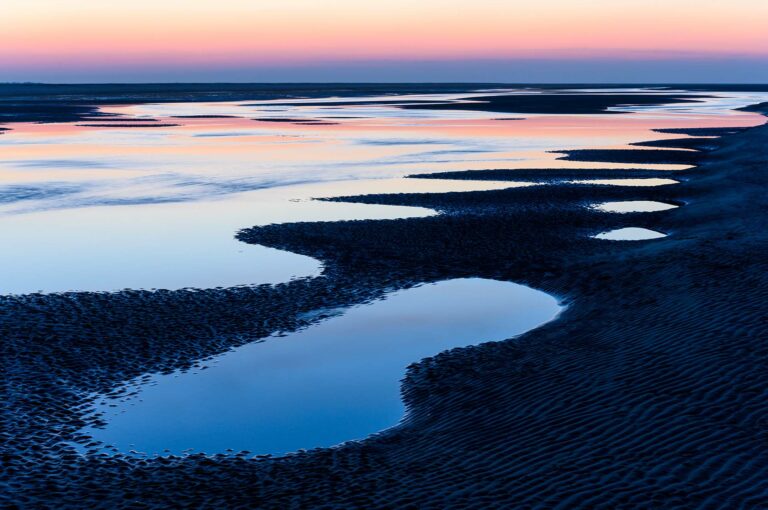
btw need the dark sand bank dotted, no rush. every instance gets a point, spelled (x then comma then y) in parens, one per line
(113, 117)
(697, 144)
(286, 120)
(550, 174)
(204, 117)
(128, 125)
(649, 392)
(27, 111)
(69, 103)
(33, 102)
(527, 103)
(663, 157)
(559, 103)
(708, 131)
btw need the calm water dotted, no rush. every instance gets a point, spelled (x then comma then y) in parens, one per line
(630, 234)
(333, 382)
(628, 206)
(105, 208)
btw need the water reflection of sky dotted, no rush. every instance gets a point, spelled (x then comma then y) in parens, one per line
(630, 234)
(335, 381)
(630, 206)
(157, 183)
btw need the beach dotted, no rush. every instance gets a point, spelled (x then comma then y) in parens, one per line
(647, 391)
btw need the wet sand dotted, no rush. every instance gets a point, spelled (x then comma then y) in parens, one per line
(648, 392)
(559, 103)
(70, 103)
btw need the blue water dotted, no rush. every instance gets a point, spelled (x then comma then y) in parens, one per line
(630, 234)
(336, 381)
(629, 206)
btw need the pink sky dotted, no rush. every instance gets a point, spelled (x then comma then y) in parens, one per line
(88, 34)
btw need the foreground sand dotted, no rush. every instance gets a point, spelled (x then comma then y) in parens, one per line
(648, 392)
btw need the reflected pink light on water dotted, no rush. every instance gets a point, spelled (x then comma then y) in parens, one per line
(244, 146)
(196, 183)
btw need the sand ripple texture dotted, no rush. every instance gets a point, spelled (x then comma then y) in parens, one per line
(649, 392)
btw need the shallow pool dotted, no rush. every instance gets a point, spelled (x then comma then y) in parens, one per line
(630, 234)
(335, 381)
(629, 206)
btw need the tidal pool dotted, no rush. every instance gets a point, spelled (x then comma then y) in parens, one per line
(629, 206)
(630, 234)
(335, 381)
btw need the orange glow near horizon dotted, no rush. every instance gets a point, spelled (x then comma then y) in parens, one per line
(157, 32)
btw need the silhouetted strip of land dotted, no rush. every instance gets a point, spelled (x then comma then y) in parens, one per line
(690, 143)
(117, 118)
(557, 103)
(129, 125)
(550, 174)
(68, 103)
(204, 117)
(647, 156)
(708, 131)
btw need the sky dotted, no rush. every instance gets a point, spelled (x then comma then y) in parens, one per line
(70, 41)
